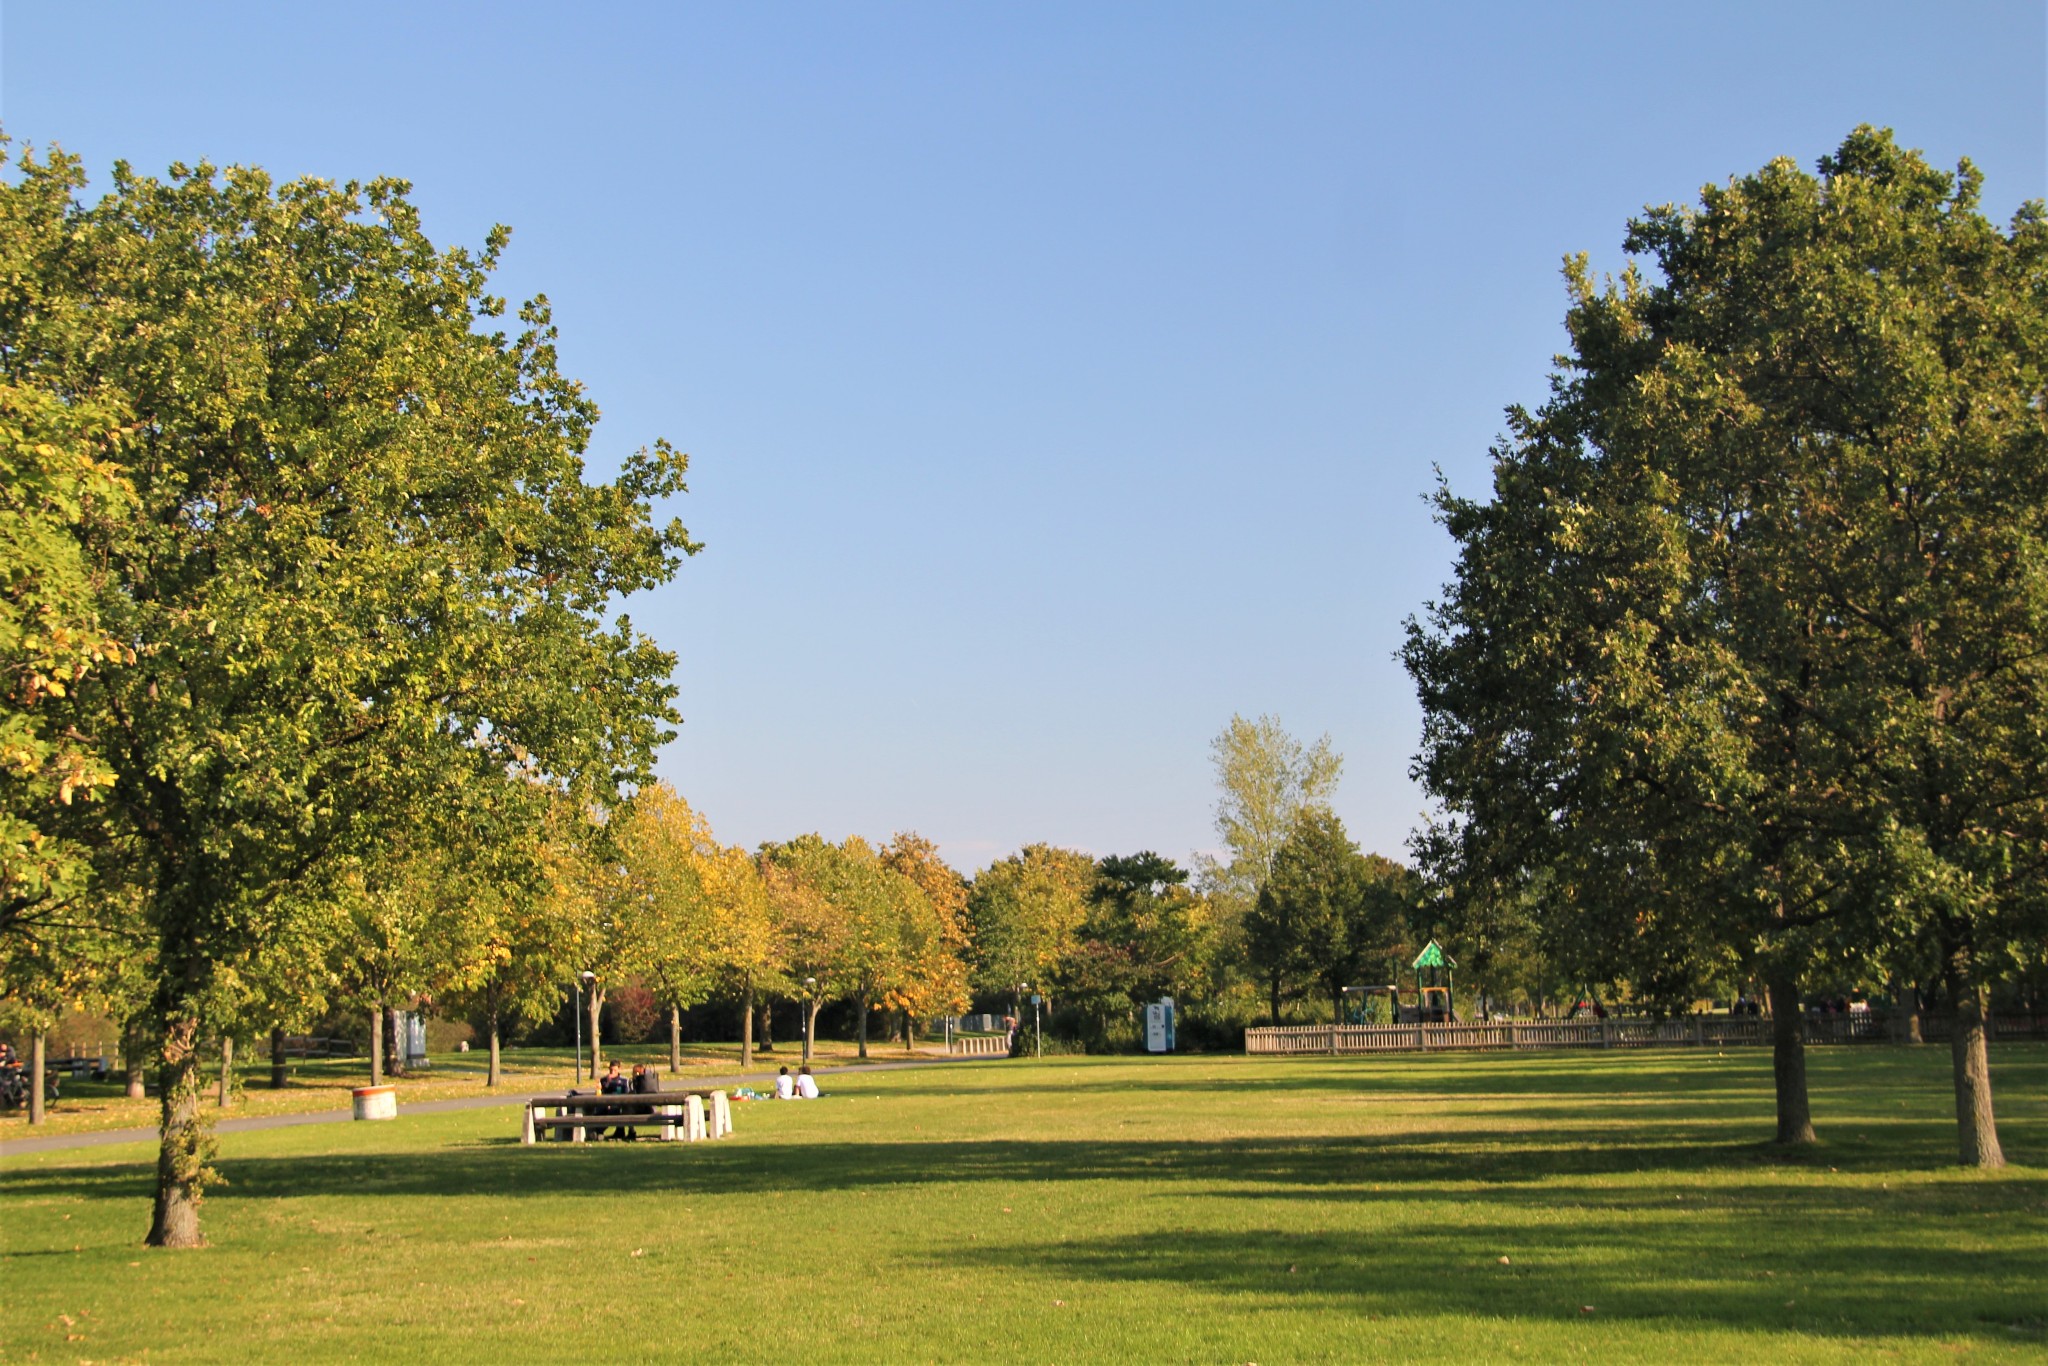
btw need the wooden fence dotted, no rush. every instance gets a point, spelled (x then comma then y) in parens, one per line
(1696, 1031)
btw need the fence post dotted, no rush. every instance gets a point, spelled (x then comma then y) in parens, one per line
(1607, 1033)
(1699, 1032)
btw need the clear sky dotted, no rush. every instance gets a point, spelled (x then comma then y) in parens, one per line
(1058, 379)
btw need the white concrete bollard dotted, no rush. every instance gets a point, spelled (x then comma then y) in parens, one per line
(376, 1102)
(693, 1119)
(721, 1114)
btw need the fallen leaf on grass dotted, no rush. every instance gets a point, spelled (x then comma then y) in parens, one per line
(1585, 1309)
(639, 1252)
(1505, 1262)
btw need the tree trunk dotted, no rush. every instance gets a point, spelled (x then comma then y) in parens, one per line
(1276, 1000)
(810, 1025)
(132, 1047)
(185, 1146)
(1905, 1016)
(863, 1028)
(675, 1038)
(277, 1070)
(491, 1073)
(909, 1030)
(595, 1004)
(1336, 1005)
(377, 1042)
(394, 1042)
(767, 1022)
(1976, 1126)
(1788, 1061)
(38, 1071)
(747, 1021)
(227, 1069)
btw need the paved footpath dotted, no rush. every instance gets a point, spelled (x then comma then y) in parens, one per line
(57, 1143)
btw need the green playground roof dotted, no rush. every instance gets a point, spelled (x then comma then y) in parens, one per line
(1433, 956)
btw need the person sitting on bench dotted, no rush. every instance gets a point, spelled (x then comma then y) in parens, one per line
(614, 1083)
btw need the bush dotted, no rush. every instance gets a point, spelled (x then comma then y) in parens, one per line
(631, 1014)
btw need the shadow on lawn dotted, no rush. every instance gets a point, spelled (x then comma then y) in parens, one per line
(1364, 1168)
(1764, 1245)
(1773, 1264)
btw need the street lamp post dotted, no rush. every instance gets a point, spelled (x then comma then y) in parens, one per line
(590, 991)
(810, 1015)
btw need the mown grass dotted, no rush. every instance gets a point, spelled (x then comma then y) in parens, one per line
(1199, 1209)
(315, 1084)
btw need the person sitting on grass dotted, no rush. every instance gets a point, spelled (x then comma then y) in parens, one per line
(785, 1085)
(806, 1084)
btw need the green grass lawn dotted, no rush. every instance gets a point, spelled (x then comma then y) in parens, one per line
(316, 1084)
(1449, 1208)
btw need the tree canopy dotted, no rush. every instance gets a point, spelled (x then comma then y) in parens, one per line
(363, 564)
(1744, 658)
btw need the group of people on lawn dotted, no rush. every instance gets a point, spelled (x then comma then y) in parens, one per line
(802, 1086)
(645, 1081)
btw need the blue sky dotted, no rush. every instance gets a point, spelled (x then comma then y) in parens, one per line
(1059, 379)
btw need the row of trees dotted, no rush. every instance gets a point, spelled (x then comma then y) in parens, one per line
(1744, 666)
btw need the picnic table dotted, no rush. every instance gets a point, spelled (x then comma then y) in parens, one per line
(682, 1116)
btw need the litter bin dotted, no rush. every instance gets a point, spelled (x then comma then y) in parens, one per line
(376, 1102)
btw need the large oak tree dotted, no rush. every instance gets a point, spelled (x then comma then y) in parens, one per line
(364, 565)
(1745, 657)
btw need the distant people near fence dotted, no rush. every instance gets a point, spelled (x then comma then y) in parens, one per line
(785, 1085)
(806, 1084)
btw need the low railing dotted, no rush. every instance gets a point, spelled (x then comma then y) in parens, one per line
(979, 1045)
(1696, 1031)
(315, 1046)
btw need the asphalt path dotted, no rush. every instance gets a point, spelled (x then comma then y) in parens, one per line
(60, 1142)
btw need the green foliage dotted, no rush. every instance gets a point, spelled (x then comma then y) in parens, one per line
(1026, 913)
(1328, 913)
(54, 486)
(1265, 779)
(364, 570)
(1743, 663)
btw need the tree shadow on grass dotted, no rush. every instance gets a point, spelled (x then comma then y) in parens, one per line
(1765, 1264)
(1395, 1166)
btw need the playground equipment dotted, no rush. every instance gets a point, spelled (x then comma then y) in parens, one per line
(1429, 1001)
(1433, 1001)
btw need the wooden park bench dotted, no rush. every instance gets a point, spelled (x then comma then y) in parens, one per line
(678, 1116)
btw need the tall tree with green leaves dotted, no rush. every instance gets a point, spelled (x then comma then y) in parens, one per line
(364, 564)
(1265, 778)
(1025, 914)
(664, 847)
(1742, 655)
